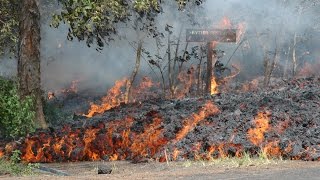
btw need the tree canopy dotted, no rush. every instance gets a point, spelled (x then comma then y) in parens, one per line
(97, 20)
(9, 13)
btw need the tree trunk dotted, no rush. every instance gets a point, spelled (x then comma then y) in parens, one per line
(134, 73)
(269, 67)
(294, 56)
(286, 63)
(29, 57)
(175, 73)
(211, 46)
(171, 88)
(184, 57)
(199, 84)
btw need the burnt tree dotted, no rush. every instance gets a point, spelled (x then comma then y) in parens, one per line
(29, 57)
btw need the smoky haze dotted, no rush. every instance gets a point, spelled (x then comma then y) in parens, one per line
(268, 23)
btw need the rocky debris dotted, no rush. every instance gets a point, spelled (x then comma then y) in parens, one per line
(104, 169)
(290, 111)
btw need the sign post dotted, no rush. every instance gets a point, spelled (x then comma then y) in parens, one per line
(211, 36)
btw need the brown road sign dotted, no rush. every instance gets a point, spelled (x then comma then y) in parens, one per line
(205, 35)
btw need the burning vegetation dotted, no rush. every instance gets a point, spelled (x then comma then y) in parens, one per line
(192, 111)
(283, 121)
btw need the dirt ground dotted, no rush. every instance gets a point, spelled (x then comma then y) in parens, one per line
(182, 170)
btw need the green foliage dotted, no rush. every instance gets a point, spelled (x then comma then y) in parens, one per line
(9, 10)
(97, 20)
(15, 157)
(14, 167)
(16, 116)
(9, 23)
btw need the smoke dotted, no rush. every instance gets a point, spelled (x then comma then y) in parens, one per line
(269, 24)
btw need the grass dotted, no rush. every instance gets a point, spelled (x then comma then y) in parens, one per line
(12, 166)
(232, 162)
(7, 167)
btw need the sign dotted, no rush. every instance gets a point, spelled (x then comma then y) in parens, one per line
(219, 35)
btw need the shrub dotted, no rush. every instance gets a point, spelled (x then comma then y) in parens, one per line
(16, 116)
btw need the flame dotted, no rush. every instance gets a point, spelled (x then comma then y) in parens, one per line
(256, 135)
(272, 149)
(50, 95)
(146, 83)
(214, 86)
(72, 89)
(250, 86)
(175, 154)
(89, 136)
(207, 110)
(150, 140)
(1, 153)
(30, 155)
(143, 90)
(114, 140)
(221, 150)
(113, 99)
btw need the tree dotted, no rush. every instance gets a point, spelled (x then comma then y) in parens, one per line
(97, 22)
(29, 57)
(20, 37)
(9, 22)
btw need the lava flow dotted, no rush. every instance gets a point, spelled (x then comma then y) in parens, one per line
(256, 135)
(112, 99)
(114, 140)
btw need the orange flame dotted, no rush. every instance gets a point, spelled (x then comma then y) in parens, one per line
(114, 140)
(272, 149)
(143, 90)
(214, 86)
(175, 154)
(113, 99)
(1, 153)
(72, 89)
(190, 122)
(150, 140)
(256, 135)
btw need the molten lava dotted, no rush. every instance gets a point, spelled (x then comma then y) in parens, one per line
(256, 135)
(114, 98)
(272, 149)
(114, 140)
(190, 122)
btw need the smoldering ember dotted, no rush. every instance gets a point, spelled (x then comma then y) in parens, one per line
(251, 87)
